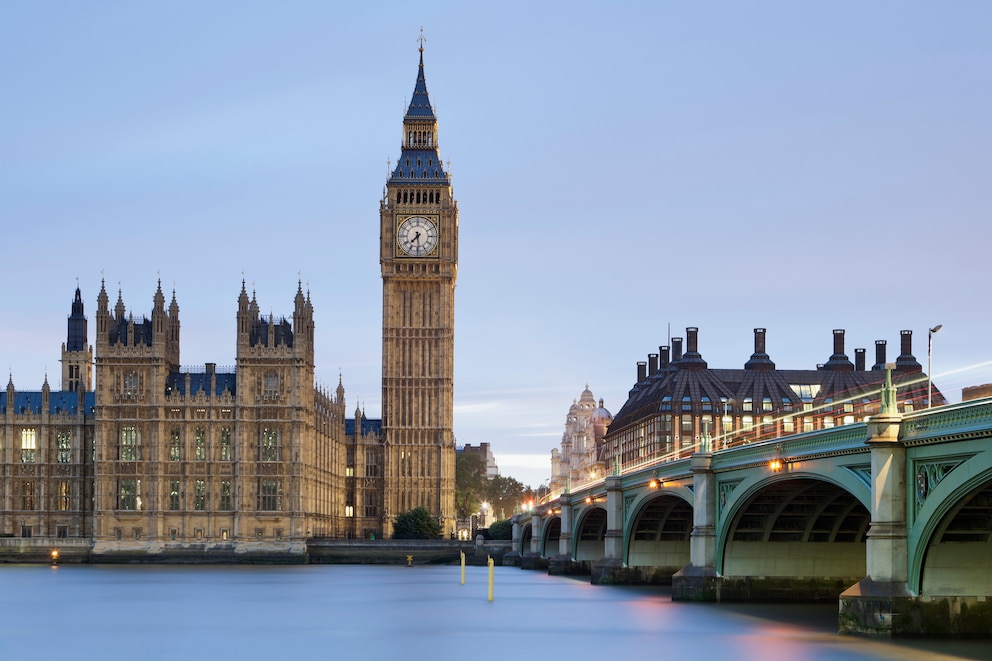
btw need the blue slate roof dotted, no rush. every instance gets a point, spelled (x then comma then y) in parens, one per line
(61, 401)
(176, 383)
(420, 104)
(419, 166)
(368, 426)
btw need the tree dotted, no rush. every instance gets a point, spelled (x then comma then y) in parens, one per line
(416, 524)
(501, 530)
(470, 483)
(504, 493)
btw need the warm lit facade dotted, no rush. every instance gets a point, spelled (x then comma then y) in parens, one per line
(680, 405)
(161, 457)
(581, 457)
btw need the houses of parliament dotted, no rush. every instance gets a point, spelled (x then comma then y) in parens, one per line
(138, 454)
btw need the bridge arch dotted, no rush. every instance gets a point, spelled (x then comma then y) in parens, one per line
(795, 525)
(589, 538)
(549, 541)
(659, 531)
(526, 535)
(950, 540)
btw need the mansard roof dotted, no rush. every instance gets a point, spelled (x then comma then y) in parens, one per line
(59, 401)
(683, 386)
(419, 166)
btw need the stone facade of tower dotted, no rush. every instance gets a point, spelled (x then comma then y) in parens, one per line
(419, 259)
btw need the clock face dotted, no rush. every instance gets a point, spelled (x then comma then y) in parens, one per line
(417, 236)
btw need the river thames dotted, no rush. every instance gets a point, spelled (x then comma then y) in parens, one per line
(398, 613)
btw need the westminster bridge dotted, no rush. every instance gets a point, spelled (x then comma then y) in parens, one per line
(892, 516)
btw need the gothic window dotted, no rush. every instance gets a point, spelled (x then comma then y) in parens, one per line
(225, 495)
(29, 446)
(175, 446)
(173, 495)
(200, 450)
(131, 384)
(61, 497)
(225, 444)
(130, 440)
(27, 495)
(200, 496)
(129, 495)
(63, 442)
(268, 448)
(270, 495)
(418, 162)
(270, 385)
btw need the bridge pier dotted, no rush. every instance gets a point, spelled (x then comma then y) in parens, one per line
(562, 563)
(512, 559)
(610, 569)
(875, 604)
(699, 581)
(533, 559)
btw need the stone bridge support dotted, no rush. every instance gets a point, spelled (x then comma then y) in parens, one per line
(563, 563)
(699, 579)
(870, 605)
(611, 568)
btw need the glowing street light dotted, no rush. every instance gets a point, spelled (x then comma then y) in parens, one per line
(933, 331)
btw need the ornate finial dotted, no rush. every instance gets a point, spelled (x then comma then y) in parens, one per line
(422, 39)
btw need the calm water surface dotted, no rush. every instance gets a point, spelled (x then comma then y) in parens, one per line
(372, 612)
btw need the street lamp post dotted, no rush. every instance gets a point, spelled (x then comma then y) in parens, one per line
(933, 331)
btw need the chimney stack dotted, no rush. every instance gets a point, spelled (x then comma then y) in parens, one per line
(906, 362)
(879, 355)
(759, 359)
(838, 361)
(859, 360)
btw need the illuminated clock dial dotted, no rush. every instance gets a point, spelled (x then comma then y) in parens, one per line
(417, 236)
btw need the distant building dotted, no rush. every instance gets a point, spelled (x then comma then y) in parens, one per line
(581, 456)
(679, 404)
(486, 453)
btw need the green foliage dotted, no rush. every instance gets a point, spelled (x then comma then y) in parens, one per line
(470, 483)
(501, 530)
(504, 493)
(416, 524)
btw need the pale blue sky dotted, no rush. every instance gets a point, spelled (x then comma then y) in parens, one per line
(794, 166)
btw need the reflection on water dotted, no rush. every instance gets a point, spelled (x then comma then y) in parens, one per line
(374, 612)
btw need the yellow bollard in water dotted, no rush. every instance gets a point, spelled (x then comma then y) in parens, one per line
(491, 565)
(409, 561)
(463, 566)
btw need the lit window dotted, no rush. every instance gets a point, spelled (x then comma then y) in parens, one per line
(131, 384)
(269, 447)
(200, 496)
(788, 425)
(64, 447)
(175, 446)
(129, 443)
(349, 510)
(225, 494)
(27, 495)
(225, 444)
(173, 495)
(766, 404)
(61, 498)
(29, 446)
(748, 404)
(270, 387)
(200, 449)
(270, 495)
(130, 497)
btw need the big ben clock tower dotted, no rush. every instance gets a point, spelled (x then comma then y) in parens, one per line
(418, 253)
